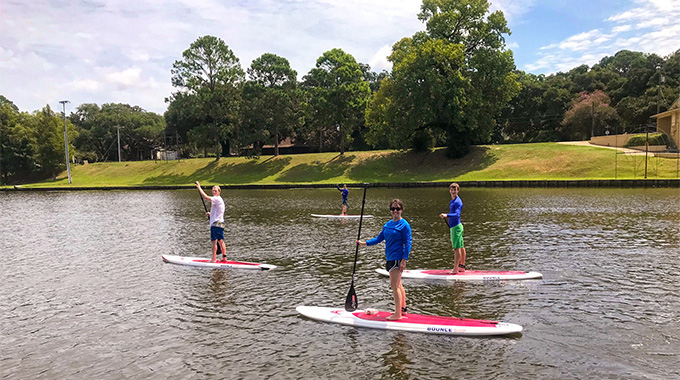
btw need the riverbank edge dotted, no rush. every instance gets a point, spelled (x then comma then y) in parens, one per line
(584, 183)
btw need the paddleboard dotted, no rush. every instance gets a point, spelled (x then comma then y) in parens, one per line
(428, 324)
(205, 263)
(468, 275)
(340, 216)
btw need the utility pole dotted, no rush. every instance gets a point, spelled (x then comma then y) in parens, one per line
(592, 119)
(118, 127)
(646, 150)
(616, 155)
(68, 166)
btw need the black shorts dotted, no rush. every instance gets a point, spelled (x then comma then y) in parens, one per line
(391, 265)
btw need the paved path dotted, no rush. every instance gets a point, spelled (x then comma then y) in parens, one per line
(623, 150)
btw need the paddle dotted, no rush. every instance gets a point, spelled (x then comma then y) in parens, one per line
(219, 249)
(352, 303)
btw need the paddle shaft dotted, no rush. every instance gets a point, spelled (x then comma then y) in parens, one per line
(361, 218)
(219, 250)
(352, 302)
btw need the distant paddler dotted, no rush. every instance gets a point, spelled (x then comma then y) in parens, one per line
(345, 193)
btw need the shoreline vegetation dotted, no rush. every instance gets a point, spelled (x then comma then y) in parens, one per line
(515, 165)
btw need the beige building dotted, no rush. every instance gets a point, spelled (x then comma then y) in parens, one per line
(669, 122)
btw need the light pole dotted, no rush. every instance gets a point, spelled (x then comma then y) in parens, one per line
(68, 167)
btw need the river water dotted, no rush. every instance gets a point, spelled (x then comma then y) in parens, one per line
(85, 293)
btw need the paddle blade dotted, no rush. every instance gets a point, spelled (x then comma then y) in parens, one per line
(351, 303)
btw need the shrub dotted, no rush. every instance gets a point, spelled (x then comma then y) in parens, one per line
(654, 139)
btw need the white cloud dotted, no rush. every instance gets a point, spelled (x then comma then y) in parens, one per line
(621, 28)
(513, 10)
(379, 60)
(86, 85)
(652, 18)
(123, 50)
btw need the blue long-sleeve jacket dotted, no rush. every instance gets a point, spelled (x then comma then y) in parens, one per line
(397, 237)
(455, 207)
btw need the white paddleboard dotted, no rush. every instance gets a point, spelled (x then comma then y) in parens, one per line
(205, 263)
(340, 216)
(468, 275)
(428, 324)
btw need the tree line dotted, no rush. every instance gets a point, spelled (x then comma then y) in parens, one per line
(454, 84)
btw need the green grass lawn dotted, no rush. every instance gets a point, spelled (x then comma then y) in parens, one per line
(541, 161)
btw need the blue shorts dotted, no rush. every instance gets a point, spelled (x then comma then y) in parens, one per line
(391, 265)
(216, 233)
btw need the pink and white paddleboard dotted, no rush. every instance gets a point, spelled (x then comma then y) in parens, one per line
(429, 324)
(205, 263)
(468, 275)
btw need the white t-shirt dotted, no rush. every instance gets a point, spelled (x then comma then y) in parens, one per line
(216, 209)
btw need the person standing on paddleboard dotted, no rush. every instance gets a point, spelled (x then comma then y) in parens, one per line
(397, 236)
(456, 228)
(216, 215)
(345, 193)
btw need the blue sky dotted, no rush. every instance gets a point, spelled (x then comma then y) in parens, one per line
(100, 51)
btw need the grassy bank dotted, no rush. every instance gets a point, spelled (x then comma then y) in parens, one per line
(541, 161)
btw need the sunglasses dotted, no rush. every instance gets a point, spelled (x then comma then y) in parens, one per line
(395, 208)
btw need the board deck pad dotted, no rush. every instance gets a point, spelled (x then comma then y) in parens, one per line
(468, 275)
(429, 324)
(330, 216)
(203, 262)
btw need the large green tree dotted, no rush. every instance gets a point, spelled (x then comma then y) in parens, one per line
(536, 112)
(645, 84)
(100, 127)
(211, 74)
(448, 83)
(48, 141)
(182, 117)
(270, 102)
(338, 95)
(16, 154)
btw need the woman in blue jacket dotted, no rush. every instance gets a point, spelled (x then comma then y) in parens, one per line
(397, 236)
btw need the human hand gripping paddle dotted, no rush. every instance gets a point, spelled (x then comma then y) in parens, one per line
(352, 303)
(219, 249)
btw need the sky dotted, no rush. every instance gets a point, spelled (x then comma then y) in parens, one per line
(122, 51)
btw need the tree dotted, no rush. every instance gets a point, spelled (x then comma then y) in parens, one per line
(210, 72)
(450, 83)
(183, 115)
(15, 153)
(338, 96)
(536, 112)
(48, 140)
(99, 128)
(372, 77)
(270, 102)
(589, 116)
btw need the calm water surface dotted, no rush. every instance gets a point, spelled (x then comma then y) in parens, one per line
(85, 294)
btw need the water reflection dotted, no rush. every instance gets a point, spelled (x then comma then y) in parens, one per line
(219, 286)
(396, 360)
